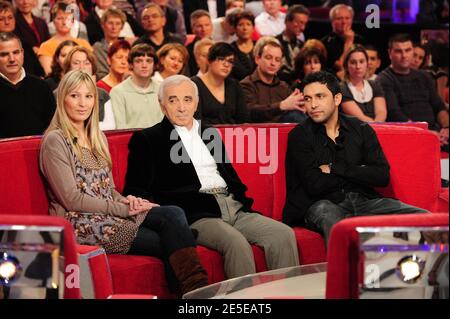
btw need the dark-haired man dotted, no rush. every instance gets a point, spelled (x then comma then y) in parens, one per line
(134, 101)
(333, 163)
(292, 39)
(411, 95)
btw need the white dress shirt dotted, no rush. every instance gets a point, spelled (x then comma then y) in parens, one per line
(22, 76)
(268, 25)
(201, 158)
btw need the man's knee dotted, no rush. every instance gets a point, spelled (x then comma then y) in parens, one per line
(321, 207)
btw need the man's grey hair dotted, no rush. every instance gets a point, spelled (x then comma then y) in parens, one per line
(338, 7)
(8, 36)
(175, 80)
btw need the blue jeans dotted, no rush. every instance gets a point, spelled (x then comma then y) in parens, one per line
(323, 214)
(164, 231)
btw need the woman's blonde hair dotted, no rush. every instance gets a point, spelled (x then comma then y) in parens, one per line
(166, 48)
(71, 81)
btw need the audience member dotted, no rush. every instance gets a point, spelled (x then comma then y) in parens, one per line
(223, 27)
(292, 39)
(118, 65)
(421, 56)
(438, 68)
(130, 29)
(221, 100)
(112, 22)
(201, 49)
(8, 24)
(411, 94)
(207, 187)
(341, 38)
(244, 45)
(271, 21)
(78, 29)
(63, 22)
(30, 29)
(172, 58)
(333, 163)
(308, 60)
(134, 101)
(269, 99)
(361, 98)
(57, 67)
(202, 28)
(76, 163)
(374, 61)
(27, 104)
(174, 20)
(215, 8)
(153, 22)
(80, 58)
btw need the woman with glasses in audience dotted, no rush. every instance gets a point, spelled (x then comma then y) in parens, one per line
(172, 58)
(75, 160)
(118, 65)
(60, 55)
(244, 25)
(362, 98)
(80, 58)
(221, 100)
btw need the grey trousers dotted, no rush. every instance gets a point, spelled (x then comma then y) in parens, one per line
(232, 235)
(323, 214)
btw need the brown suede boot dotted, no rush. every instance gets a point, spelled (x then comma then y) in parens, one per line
(187, 268)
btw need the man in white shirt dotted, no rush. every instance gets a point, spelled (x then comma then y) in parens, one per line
(271, 21)
(172, 163)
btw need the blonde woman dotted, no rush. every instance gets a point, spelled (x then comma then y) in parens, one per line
(76, 163)
(172, 58)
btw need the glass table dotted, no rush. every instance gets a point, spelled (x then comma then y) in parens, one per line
(300, 282)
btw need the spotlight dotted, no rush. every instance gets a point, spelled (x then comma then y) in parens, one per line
(410, 268)
(10, 268)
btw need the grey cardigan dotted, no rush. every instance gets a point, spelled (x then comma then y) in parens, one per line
(58, 166)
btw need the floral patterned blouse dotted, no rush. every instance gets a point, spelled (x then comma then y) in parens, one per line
(115, 234)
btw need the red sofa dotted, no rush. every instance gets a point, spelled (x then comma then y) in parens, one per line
(413, 154)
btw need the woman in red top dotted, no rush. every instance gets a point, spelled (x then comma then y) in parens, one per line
(118, 61)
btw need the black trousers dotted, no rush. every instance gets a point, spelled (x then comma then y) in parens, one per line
(164, 231)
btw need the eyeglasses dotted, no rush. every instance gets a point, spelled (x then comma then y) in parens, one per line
(229, 61)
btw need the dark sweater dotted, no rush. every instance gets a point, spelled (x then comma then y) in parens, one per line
(411, 97)
(26, 108)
